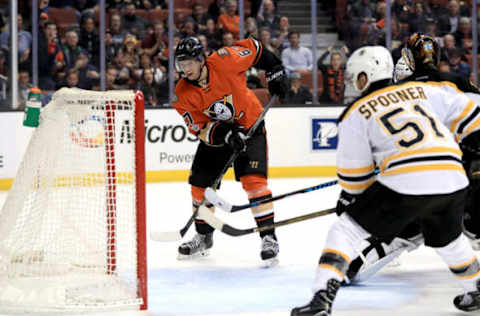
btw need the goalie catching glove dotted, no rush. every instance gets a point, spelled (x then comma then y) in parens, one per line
(277, 81)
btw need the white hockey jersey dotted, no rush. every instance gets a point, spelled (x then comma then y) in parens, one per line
(399, 129)
(461, 119)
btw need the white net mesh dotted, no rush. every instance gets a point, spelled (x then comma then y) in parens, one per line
(68, 234)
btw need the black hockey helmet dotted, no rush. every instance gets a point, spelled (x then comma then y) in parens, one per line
(189, 48)
(422, 50)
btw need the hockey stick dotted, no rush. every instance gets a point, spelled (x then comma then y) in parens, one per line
(218, 201)
(218, 224)
(177, 235)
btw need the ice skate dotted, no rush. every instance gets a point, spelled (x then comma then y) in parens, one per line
(321, 303)
(468, 302)
(199, 246)
(269, 251)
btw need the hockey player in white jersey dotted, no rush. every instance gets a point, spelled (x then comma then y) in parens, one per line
(419, 62)
(421, 178)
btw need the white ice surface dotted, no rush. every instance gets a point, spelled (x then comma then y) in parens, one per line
(232, 281)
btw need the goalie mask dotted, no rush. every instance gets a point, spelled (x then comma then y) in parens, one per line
(402, 70)
(373, 61)
(421, 50)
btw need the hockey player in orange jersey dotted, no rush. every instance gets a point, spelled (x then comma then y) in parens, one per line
(213, 99)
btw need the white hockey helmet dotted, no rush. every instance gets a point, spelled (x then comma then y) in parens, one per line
(374, 61)
(402, 70)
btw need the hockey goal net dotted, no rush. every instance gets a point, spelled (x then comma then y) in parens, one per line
(72, 229)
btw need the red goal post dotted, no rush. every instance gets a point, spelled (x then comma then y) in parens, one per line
(73, 228)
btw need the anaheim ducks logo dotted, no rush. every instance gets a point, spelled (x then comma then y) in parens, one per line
(223, 110)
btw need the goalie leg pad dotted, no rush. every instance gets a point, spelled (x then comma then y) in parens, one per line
(377, 255)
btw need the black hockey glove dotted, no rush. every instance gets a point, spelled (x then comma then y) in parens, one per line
(236, 139)
(470, 145)
(345, 201)
(474, 170)
(277, 81)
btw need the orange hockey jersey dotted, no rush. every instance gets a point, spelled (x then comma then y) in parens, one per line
(225, 97)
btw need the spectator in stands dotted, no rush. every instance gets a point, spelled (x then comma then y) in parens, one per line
(87, 74)
(280, 42)
(230, 21)
(43, 6)
(110, 49)
(298, 92)
(380, 14)
(89, 39)
(123, 73)
(85, 6)
(150, 4)
(449, 41)
(189, 27)
(159, 73)
(269, 19)
(115, 4)
(397, 52)
(212, 35)
(24, 41)
(43, 18)
(206, 49)
(163, 57)
(251, 28)
(437, 8)
(72, 78)
(116, 28)
(50, 57)
(133, 23)
(199, 16)
(266, 40)
(71, 49)
(401, 10)
(131, 54)
(431, 28)
(365, 36)
(448, 23)
(464, 30)
(154, 43)
(24, 86)
(216, 8)
(363, 11)
(456, 64)
(147, 86)
(467, 46)
(417, 18)
(296, 57)
(111, 79)
(333, 75)
(228, 39)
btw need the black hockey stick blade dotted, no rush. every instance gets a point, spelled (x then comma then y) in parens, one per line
(220, 225)
(178, 235)
(224, 205)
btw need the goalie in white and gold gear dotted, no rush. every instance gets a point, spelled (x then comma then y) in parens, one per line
(395, 129)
